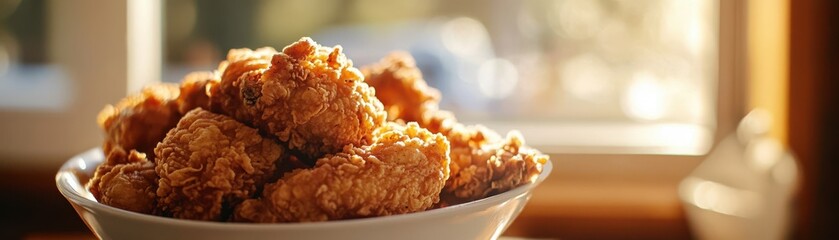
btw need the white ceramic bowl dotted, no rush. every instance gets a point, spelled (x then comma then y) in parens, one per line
(482, 219)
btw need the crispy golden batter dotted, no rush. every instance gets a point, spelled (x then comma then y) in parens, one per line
(226, 96)
(140, 121)
(133, 127)
(195, 91)
(328, 151)
(126, 181)
(209, 163)
(402, 171)
(482, 163)
(400, 87)
(309, 96)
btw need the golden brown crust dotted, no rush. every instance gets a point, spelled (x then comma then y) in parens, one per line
(209, 163)
(226, 96)
(140, 121)
(126, 181)
(401, 88)
(402, 171)
(482, 163)
(194, 91)
(309, 96)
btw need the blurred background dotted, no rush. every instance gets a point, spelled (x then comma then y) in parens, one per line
(665, 119)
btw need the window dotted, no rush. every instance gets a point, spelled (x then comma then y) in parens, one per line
(61, 62)
(573, 75)
(602, 76)
(28, 79)
(641, 84)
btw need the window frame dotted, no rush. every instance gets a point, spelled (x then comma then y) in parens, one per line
(105, 49)
(635, 194)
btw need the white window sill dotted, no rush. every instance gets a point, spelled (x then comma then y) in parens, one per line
(35, 88)
(613, 137)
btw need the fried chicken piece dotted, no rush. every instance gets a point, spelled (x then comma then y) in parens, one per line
(133, 127)
(401, 88)
(483, 163)
(209, 163)
(309, 96)
(140, 121)
(194, 91)
(402, 171)
(227, 96)
(126, 181)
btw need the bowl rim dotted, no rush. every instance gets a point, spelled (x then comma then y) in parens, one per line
(64, 175)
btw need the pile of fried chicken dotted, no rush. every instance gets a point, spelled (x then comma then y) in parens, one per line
(299, 135)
